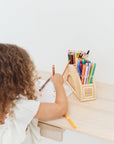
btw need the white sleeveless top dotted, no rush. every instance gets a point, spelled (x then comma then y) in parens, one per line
(22, 129)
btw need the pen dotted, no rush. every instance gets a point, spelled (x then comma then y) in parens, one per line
(81, 66)
(79, 70)
(91, 73)
(82, 61)
(89, 68)
(85, 61)
(83, 73)
(86, 71)
(88, 52)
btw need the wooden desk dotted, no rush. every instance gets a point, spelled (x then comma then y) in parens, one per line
(94, 118)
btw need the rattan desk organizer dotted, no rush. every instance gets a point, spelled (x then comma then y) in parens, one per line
(84, 92)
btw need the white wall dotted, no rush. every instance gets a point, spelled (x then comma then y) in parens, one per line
(48, 28)
(75, 24)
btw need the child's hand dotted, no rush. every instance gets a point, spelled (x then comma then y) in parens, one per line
(57, 79)
(60, 107)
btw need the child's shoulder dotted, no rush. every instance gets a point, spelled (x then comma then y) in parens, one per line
(24, 109)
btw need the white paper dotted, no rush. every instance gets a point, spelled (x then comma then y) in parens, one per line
(48, 92)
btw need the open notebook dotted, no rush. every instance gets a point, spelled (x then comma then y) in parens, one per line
(48, 92)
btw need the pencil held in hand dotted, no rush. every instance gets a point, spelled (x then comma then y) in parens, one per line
(44, 84)
(38, 91)
(53, 69)
(53, 72)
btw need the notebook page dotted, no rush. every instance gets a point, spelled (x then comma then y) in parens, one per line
(48, 92)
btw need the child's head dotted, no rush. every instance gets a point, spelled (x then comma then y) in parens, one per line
(17, 73)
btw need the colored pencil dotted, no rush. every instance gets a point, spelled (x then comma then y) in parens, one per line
(83, 73)
(93, 73)
(86, 71)
(89, 69)
(53, 69)
(79, 70)
(73, 57)
(44, 84)
(92, 68)
(70, 57)
(38, 91)
(53, 73)
(70, 121)
(81, 66)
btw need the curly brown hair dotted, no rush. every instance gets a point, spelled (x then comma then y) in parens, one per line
(17, 75)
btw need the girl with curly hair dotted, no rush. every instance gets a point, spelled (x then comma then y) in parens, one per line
(20, 108)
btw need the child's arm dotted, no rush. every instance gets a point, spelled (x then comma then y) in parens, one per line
(60, 107)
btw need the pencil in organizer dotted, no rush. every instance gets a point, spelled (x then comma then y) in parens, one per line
(92, 68)
(86, 71)
(79, 70)
(73, 57)
(68, 56)
(83, 73)
(93, 73)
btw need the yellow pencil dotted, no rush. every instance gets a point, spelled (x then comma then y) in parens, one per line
(66, 116)
(70, 121)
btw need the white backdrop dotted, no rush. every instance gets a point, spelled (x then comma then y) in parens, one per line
(48, 28)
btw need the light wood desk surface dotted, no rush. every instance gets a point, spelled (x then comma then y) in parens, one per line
(94, 118)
